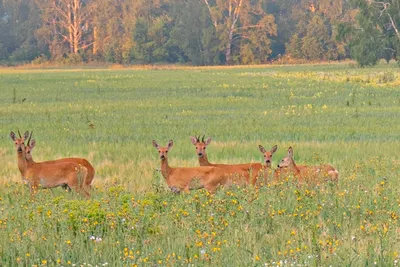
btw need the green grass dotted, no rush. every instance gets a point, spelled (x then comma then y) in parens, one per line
(334, 114)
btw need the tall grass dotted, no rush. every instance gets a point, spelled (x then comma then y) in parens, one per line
(329, 114)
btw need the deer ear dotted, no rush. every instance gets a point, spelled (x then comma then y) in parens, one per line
(262, 149)
(194, 140)
(26, 135)
(208, 141)
(32, 144)
(170, 144)
(155, 144)
(273, 149)
(12, 136)
(290, 152)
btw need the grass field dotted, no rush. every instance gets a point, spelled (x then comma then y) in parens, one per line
(335, 114)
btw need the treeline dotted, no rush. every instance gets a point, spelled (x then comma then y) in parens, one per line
(198, 32)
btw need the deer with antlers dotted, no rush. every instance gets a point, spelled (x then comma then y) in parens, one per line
(179, 179)
(48, 175)
(90, 170)
(304, 173)
(241, 173)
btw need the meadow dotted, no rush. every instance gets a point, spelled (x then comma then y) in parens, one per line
(336, 114)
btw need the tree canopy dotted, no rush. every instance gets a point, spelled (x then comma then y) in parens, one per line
(198, 32)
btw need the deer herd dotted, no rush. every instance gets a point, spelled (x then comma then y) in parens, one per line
(78, 173)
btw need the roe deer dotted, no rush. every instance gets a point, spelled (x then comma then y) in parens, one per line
(267, 162)
(48, 175)
(240, 173)
(304, 172)
(90, 170)
(179, 179)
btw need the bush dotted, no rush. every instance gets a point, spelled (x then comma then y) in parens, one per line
(72, 59)
(41, 59)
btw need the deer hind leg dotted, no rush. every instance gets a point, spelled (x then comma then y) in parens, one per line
(334, 175)
(88, 180)
(77, 179)
(211, 187)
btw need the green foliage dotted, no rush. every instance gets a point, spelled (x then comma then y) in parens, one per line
(194, 34)
(152, 37)
(374, 37)
(295, 47)
(19, 21)
(314, 42)
(199, 32)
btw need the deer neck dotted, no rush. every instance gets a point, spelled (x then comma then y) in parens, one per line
(204, 160)
(165, 169)
(22, 164)
(267, 166)
(294, 168)
(30, 161)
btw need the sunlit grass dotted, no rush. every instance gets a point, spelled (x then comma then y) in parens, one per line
(327, 113)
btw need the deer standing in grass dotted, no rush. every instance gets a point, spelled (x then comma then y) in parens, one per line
(304, 173)
(240, 173)
(90, 170)
(267, 170)
(48, 175)
(179, 179)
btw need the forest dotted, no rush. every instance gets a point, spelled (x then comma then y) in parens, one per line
(198, 32)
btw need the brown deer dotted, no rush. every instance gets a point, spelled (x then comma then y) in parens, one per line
(304, 173)
(90, 170)
(267, 170)
(179, 179)
(48, 175)
(240, 173)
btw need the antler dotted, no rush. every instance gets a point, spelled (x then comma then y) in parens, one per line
(202, 140)
(198, 139)
(19, 134)
(30, 138)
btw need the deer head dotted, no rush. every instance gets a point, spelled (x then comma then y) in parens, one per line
(163, 151)
(268, 154)
(287, 161)
(201, 145)
(19, 142)
(29, 146)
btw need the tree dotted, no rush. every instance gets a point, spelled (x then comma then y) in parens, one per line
(294, 48)
(375, 34)
(194, 33)
(113, 23)
(18, 22)
(153, 32)
(66, 24)
(235, 20)
(316, 39)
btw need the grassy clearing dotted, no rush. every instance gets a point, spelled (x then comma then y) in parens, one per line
(329, 114)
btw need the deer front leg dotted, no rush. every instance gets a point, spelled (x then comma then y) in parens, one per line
(65, 187)
(175, 190)
(33, 188)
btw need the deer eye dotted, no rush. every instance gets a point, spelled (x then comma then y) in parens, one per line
(204, 147)
(197, 147)
(166, 151)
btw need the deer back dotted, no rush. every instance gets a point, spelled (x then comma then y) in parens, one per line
(50, 175)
